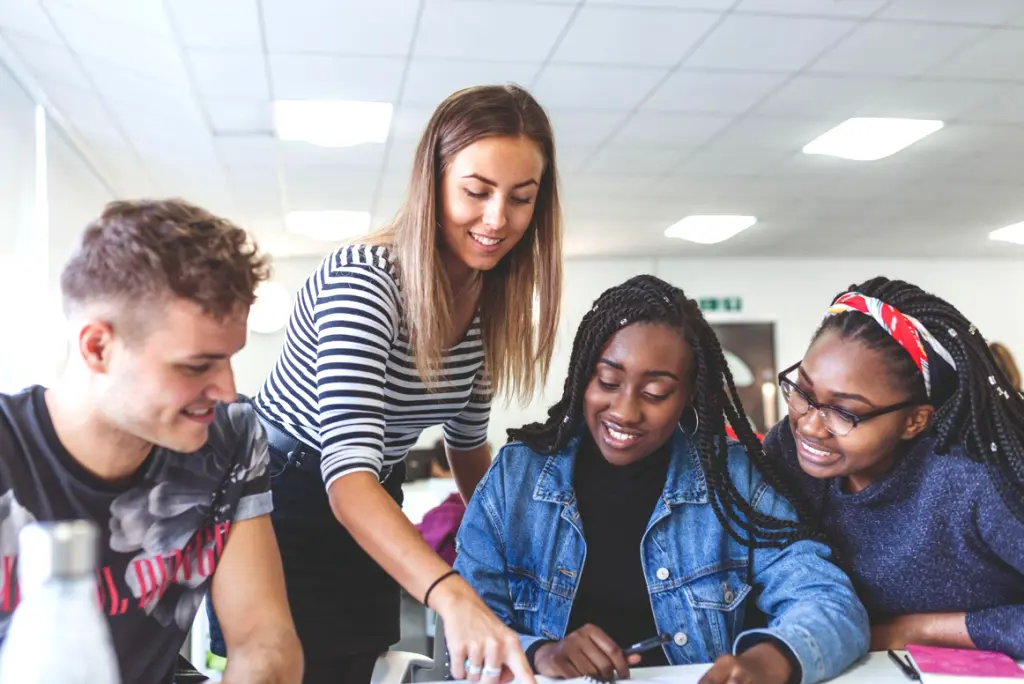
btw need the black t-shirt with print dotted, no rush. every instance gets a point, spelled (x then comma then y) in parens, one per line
(161, 534)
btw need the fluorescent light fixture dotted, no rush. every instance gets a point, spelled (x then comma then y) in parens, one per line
(332, 123)
(707, 230)
(327, 226)
(270, 311)
(868, 139)
(1014, 234)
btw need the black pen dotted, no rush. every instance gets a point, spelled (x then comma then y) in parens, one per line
(648, 644)
(907, 667)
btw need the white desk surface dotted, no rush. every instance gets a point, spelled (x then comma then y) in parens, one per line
(875, 668)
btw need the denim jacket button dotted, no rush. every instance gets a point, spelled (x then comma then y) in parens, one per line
(662, 574)
(680, 638)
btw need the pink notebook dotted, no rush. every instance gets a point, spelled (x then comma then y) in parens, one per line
(954, 664)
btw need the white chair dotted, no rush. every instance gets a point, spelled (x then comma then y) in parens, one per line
(398, 667)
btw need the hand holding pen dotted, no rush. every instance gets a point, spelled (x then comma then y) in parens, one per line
(589, 651)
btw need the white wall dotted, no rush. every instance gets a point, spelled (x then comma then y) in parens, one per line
(21, 247)
(47, 195)
(793, 293)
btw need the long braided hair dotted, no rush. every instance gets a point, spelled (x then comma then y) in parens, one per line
(979, 409)
(647, 299)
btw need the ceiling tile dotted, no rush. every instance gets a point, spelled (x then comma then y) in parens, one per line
(163, 119)
(316, 188)
(783, 43)
(312, 77)
(46, 61)
(769, 133)
(896, 49)
(190, 154)
(1005, 106)
(234, 115)
(113, 42)
(408, 123)
(118, 85)
(988, 12)
(254, 179)
(367, 156)
(632, 37)
(247, 150)
(84, 111)
(27, 18)
(669, 130)
(712, 91)
(392, 191)
(819, 8)
(400, 159)
(719, 5)
(378, 28)
(580, 128)
(145, 16)
(997, 56)
(224, 24)
(229, 74)
(844, 97)
(500, 31)
(622, 160)
(591, 87)
(573, 158)
(726, 160)
(430, 81)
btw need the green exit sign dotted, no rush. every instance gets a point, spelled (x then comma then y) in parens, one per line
(716, 304)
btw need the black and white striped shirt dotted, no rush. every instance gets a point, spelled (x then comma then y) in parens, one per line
(346, 383)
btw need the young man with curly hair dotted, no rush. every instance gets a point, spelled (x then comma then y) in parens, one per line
(143, 436)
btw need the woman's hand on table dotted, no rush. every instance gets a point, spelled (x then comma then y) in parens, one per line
(764, 663)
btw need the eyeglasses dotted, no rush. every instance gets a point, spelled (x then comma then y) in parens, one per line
(839, 422)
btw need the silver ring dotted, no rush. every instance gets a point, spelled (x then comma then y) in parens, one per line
(491, 672)
(472, 669)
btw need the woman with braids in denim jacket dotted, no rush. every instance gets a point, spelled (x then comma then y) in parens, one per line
(905, 441)
(630, 514)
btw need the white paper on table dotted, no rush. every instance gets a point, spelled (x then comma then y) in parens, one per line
(661, 679)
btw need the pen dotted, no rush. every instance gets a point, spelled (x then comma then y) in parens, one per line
(647, 644)
(906, 667)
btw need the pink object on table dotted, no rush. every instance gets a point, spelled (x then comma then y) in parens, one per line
(963, 662)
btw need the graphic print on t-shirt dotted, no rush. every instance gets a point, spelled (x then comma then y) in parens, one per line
(162, 534)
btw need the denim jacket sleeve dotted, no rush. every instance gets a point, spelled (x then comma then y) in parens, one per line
(481, 544)
(813, 607)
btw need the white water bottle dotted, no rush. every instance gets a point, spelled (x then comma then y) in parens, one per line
(57, 634)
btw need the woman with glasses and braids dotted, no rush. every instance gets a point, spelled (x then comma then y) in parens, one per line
(628, 515)
(907, 443)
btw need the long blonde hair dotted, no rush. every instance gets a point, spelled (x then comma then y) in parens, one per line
(518, 350)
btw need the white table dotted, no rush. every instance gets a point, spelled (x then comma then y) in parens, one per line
(875, 668)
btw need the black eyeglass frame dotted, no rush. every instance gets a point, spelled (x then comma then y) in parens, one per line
(787, 385)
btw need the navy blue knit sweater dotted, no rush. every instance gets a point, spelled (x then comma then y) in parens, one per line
(931, 536)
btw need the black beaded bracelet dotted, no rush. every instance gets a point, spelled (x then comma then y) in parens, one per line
(442, 578)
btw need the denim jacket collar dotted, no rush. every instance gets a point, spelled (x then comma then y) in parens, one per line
(684, 484)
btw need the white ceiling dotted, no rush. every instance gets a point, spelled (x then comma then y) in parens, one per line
(661, 108)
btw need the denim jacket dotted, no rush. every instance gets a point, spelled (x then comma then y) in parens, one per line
(522, 548)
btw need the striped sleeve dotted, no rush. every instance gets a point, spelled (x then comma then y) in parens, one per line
(468, 430)
(356, 319)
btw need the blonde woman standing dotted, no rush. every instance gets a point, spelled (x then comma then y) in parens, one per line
(417, 326)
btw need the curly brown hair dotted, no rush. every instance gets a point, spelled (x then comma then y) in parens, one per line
(140, 252)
